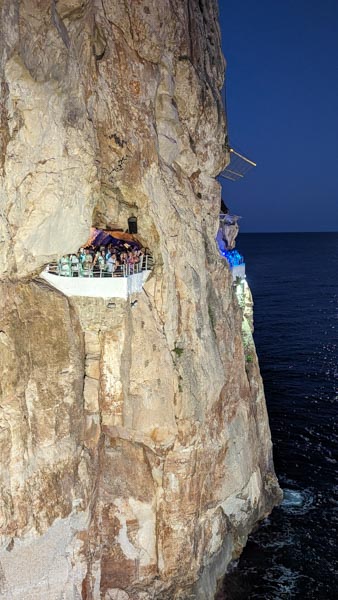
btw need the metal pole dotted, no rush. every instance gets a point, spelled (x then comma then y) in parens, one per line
(243, 157)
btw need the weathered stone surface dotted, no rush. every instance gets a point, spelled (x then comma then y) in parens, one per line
(45, 482)
(135, 445)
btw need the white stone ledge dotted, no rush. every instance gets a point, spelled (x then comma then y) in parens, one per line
(97, 287)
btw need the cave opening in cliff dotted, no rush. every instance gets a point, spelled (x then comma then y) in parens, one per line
(106, 253)
(226, 240)
(111, 263)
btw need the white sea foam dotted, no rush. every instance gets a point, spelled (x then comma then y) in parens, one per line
(297, 501)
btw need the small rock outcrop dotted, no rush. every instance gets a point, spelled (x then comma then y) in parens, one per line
(134, 438)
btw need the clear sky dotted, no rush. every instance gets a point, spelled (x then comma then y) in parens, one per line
(282, 104)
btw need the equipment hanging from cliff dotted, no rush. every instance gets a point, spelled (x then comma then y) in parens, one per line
(238, 165)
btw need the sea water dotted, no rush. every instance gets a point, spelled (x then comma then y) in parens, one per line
(294, 280)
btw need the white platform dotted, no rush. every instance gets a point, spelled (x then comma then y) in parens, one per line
(97, 287)
(238, 271)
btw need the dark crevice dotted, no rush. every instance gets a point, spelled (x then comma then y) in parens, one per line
(59, 25)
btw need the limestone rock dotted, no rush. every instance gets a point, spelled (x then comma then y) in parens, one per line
(135, 445)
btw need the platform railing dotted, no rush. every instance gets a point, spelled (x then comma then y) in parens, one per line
(146, 263)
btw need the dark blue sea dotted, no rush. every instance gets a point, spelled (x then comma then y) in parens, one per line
(294, 280)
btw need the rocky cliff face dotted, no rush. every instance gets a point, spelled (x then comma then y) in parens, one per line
(135, 446)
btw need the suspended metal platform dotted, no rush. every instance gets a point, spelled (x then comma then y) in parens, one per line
(238, 166)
